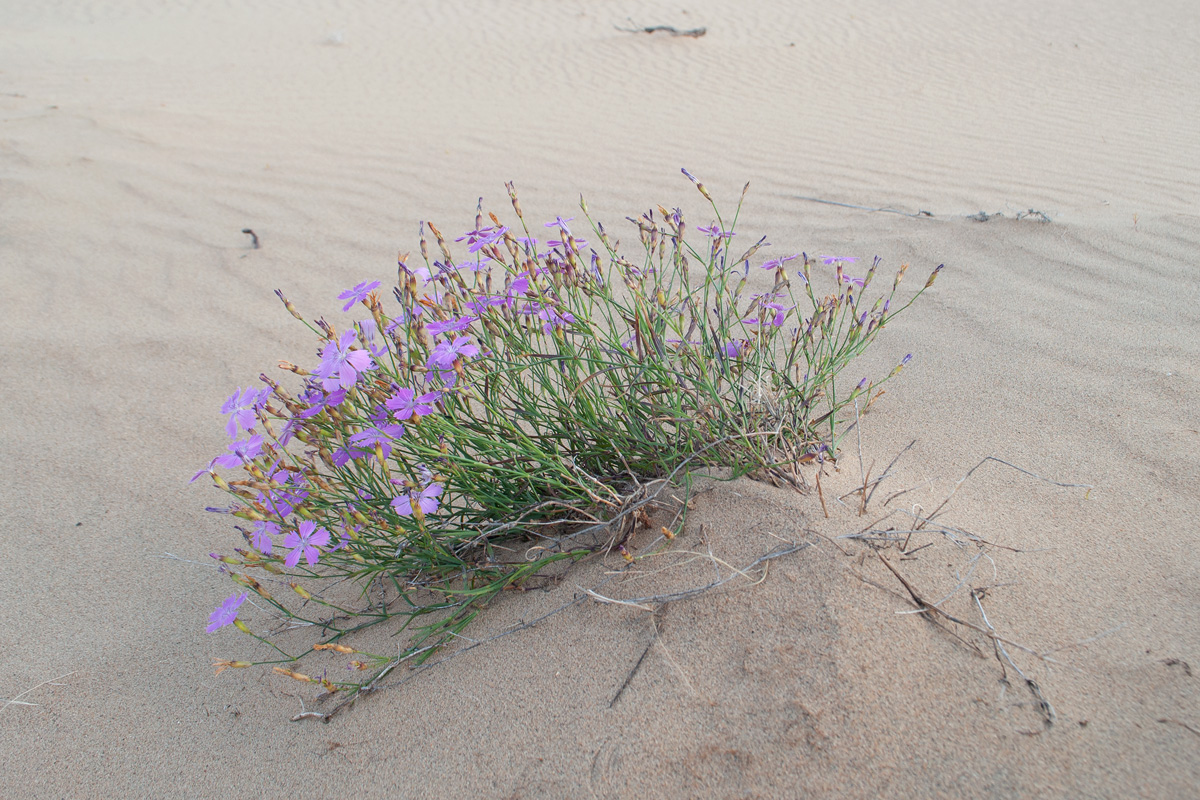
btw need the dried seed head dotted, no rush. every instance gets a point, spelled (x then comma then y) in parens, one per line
(294, 675)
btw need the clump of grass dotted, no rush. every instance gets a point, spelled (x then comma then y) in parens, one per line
(515, 411)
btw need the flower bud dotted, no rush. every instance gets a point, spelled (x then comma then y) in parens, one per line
(933, 276)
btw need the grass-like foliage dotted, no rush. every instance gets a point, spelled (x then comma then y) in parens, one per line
(514, 409)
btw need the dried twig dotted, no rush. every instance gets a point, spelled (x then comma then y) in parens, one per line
(1043, 704)
(971, 471)
(17, 701)
(654, 622)
(694, 33)
(865, 208)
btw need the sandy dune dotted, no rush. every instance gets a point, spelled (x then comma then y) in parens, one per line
(138, 139)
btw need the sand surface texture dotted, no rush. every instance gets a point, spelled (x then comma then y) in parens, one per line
(138, 139)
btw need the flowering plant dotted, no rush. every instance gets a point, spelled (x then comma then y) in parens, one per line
(524, 402)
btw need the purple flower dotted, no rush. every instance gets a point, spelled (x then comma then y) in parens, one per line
(559, 222)
(318, 401)
(776, 263)
(714, 232)
(357, 294)
(733, 348)
(836, 259)
(850, 279)
(343, 455)
(282, 502)
(427, 500)
(306, 540)
(578, 243)
(446, 353)
(242, 452)
(553, 318)
(340, 365)
(486, 303)
(241, 407)
(780, 312)
(519, 286)
(421, 271)
(456, 324)
(369, 329)
(260, 537)
(405, 403)
(381, 435)
(481, 238)
(226, 613)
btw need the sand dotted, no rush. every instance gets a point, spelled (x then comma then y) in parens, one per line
(138, 139)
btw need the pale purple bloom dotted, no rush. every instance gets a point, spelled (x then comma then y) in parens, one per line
(486, 303)
(519, 286)
(733, 348)
(369, 329)
(341, 365)
(381, 435)
(289, 430)
(481, 238)
(357, 294)
(226, 613)
(318, 401)
(241, 406)
(306, 540)
(776, 263)
(850, 279)
(421, 271)
(427, 500)
(553, 318)
(283, 501)
(241, 452)
(559, 222)
(446, 353)
(475, 266)
(456, 324)
(406, 403)
(780, 312)
(556, 243)
(260, 537)
(836, 259)
(343, 455)
(714, 232)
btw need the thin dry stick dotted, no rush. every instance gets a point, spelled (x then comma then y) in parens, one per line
(821, 494)
(694, 33)
(1043, 704)
(1180, 723)
(864, 208)
(1007, 464)
(886, 472)
(16, 701)
(641, 602)
(654, 623)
